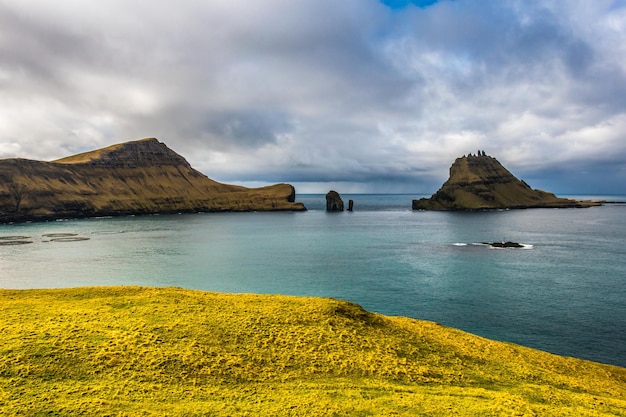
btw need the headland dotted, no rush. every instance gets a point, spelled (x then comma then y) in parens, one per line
(138, 177)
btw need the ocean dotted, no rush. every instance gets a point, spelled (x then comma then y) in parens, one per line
(564, 292)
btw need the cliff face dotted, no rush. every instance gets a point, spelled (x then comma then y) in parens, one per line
(480, 182)
(139, 177)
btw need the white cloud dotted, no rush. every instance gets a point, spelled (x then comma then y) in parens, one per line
(319, 92)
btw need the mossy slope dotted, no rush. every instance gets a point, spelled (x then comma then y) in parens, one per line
(137, 177)
(480, 182)
(149, 351)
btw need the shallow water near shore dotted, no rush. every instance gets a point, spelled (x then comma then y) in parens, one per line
(565, 292)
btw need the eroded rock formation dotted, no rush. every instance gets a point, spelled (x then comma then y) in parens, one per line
(334, 201)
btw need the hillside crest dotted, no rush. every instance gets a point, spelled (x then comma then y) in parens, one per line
(135, 154)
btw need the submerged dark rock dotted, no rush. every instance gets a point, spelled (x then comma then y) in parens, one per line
(504, 244)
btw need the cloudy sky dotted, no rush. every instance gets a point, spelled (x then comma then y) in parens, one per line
(356, 95)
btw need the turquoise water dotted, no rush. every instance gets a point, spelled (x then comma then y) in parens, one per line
(565, 293)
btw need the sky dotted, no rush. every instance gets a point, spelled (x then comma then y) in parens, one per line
(353, 95)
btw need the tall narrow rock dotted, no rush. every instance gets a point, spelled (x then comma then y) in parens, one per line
(334, 201)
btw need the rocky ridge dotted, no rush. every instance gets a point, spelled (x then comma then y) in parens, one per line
(138, 177)
(480, 182)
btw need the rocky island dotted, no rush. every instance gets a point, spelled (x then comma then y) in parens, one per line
(138, 177)
(480, 182)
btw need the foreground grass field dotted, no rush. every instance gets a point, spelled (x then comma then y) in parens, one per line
(151, 351)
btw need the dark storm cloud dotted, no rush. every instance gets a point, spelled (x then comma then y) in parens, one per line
(321, 91)
(247, 128)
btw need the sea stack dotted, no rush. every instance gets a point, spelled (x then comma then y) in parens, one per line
(138, 177)
(334, 201)
(480, 182)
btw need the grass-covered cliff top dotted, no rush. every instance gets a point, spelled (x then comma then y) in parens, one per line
(150, 351)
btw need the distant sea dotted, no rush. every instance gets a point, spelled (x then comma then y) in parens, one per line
(565, 292)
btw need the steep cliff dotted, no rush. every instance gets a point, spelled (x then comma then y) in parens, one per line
(138, 177)
(480, 182)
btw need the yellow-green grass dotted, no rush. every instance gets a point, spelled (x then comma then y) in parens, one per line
(170, 351)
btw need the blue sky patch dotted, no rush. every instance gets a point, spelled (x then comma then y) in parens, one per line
(401, 4)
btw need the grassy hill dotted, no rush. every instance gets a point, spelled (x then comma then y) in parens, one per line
(138, 177)
(150, 351)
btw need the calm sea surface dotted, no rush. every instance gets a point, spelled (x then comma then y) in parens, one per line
(564, 293)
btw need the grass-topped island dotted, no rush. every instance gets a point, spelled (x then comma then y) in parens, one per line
(176, 352)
